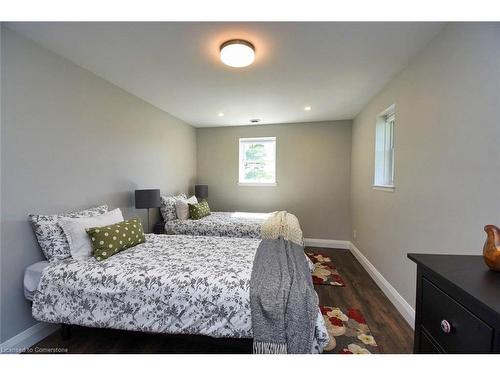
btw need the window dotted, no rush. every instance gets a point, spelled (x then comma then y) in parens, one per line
(258, 161)
(384, 150)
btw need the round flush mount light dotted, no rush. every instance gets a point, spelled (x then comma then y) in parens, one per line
(220, 114)
(307, 108)
(237, 53)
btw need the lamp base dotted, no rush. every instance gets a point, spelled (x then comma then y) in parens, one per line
(148, 228)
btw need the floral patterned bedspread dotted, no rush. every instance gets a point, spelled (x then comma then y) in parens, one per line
(223, 224)
(169, 284)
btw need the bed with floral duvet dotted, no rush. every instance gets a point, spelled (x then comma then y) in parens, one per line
(170, 284)
(222, 224)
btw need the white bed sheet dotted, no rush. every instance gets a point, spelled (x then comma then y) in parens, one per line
(32, 275)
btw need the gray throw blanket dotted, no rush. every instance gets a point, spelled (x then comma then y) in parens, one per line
(283, 302)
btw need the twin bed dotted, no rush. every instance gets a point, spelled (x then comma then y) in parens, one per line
(173, 284)
(221, 224)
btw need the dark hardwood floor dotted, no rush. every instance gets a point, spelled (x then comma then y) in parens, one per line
(390, 330)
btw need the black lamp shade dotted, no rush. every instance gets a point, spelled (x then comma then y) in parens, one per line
(147, 198)
(201, 191)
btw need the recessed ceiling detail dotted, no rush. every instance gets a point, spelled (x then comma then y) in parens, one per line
(334, 67)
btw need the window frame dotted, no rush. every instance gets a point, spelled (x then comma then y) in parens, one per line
(241, 181)
(387, 169)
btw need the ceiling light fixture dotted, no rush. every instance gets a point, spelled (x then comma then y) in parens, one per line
(237, 53)
(307, 108)
(220, 114)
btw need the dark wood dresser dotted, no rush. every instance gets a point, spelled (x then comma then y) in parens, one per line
(458, 305)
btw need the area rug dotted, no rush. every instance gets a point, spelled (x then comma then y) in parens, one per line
(325, 272)
(349, 333)
(318, 257)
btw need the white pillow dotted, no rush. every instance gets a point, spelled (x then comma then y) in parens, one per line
(182, 208)
(78, 239)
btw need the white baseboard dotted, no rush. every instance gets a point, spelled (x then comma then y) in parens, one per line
(332, 244)
(397, 300)
(27, 338)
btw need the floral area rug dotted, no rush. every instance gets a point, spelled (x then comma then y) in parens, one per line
(349, 333)
(325, 272)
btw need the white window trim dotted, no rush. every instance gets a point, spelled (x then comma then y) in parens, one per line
(257, 139)
(257, 184)
(390, 188)
(391, 111)
(269, 184)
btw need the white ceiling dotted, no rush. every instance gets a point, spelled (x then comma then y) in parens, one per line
(333, 67)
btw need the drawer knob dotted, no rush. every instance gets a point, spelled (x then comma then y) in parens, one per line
(445, 326)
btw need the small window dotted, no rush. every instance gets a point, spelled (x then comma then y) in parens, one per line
(384, 150)
(258, 161)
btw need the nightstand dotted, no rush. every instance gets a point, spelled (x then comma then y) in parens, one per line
(159, 227)
(457, 305)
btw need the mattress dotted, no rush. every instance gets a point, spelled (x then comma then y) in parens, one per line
(222, 224)
(32, 275)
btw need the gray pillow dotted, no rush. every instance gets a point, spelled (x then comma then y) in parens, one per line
(50, 234)
(167, 207)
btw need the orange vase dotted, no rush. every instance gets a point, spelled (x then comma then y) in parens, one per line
(491, 249)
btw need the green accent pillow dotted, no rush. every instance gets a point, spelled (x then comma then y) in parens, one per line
(110, 240)
(199, 210)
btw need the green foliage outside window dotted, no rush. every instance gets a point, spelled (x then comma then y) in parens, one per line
(255, 163)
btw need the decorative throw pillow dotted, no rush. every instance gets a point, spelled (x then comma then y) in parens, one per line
(167, 207)
(78, 239)
(199, 210)
(109, 240)
(50, 235)
(182, 207)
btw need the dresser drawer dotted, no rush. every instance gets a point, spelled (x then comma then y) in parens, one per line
(468, 333)
(426, 345)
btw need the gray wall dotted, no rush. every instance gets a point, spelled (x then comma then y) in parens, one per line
(71, 140)
(447, 152)
(313, 166)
